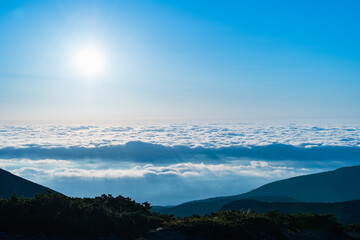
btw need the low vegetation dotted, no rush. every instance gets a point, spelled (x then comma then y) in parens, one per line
(54, 215)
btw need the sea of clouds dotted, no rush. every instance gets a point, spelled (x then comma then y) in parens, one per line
(172, 163)
(191, 135)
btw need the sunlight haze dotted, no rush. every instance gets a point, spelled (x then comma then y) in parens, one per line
(116, 60)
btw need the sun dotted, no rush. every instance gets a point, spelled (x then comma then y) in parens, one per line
(89, 61)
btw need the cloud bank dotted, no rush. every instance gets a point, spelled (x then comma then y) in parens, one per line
(190, 135)
(253, 169)
(148, 152)
(178, 162)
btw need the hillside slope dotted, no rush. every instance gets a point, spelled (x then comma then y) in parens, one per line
(333, 186)
(10, 183)
(346, 212)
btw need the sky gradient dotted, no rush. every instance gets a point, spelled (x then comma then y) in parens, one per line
(181, 60)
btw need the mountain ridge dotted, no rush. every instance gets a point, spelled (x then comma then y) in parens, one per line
(10, 183)
(319, 187)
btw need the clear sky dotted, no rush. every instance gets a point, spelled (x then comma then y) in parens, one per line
(179, 59)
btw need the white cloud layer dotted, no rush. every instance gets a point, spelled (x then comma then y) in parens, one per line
(177, 162)
(205, 135)
(253, 169)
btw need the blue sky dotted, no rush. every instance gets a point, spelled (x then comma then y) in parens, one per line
(181, 60)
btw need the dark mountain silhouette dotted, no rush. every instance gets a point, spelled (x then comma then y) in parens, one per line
(206, 206)
(334, 186)
(346, 212)
(9, 184)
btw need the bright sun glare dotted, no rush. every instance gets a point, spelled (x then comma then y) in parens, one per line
(89, 61)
